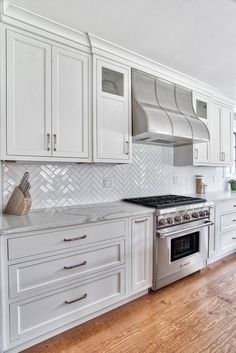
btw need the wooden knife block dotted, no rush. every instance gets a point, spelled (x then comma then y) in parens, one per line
(19, 204)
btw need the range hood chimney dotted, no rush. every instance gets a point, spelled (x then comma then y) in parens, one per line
(163, 113)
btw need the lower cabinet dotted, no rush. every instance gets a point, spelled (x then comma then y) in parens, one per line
(142, 240)
(30, 319)
(54, 280)
(222, 236)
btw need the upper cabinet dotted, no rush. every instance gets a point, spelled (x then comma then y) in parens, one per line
(70, 108)
(28, 122)
(48, 101)
(221, 130)
(201, 153)
(218, 152)
(111, 111)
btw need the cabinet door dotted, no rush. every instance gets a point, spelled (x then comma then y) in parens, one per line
(201, 150)
(226, 136)
(215, 134)
(112, 118)
(70, 107)
(28, 96)
(142, 253)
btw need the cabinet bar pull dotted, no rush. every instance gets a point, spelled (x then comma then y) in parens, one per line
(127, 147)
(234, 238)
(76, 238)
(141, 221)
(196, 153)
(76, 300)
(186, 264)
(78, 265)
(55, 142)
(48, 142)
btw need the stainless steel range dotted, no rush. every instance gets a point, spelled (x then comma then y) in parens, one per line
(181, 231)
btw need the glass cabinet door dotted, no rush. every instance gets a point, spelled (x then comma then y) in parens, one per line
(201, 150)
(201, 109)
(112, 82)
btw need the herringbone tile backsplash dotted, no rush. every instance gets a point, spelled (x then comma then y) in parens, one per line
(151, 173)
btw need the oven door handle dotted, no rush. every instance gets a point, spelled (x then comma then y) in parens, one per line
(165, 235)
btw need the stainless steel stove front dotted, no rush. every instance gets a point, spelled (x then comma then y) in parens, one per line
(180, 248)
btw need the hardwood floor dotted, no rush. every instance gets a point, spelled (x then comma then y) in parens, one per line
(196, 314)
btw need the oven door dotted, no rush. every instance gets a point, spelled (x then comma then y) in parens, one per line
(181, 248)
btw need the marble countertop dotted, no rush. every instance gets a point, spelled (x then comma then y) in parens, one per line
(217, 196)
(68, 216)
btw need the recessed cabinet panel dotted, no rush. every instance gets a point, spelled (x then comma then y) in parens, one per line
(142, 248)
(112, 118)
(226, 136)
(70, 110)
(215, 133)
(28, 96)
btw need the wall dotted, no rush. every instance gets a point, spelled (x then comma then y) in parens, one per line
(151, 173)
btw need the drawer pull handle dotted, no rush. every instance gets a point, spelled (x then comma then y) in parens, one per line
(234, 220)
(76, 300)
(77, 238)
(78, 265)
(234, 238)
(141, 221)
(183, 265)
(234, 205)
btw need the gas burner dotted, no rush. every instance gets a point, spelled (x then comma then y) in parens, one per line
(166, 201)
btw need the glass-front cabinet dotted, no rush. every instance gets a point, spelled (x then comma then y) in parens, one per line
(112, 111)
(201, 153)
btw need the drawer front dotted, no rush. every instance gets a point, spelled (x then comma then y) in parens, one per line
(32, 276)
(228, 241)
(30, 319)
(226, 206)
(21, 247)
(227, 222)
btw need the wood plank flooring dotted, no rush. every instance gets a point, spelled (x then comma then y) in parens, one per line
(196, 314)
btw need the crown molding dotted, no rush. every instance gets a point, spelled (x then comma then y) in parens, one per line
(16, 15)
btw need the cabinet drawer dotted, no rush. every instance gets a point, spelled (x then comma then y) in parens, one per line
(64, 239)
(35, 276)
(228, 222)
(226, 206)
(228, 241)
(32, 318)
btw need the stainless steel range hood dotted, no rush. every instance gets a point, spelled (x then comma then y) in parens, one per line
(163, 113)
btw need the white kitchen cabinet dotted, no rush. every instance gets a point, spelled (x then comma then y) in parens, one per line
(221, 135)
(198, 153)
(215, 133)
(201, 152)
(28, 96)
(111, 111)
(142, 253)
(56, 279)
(217, 152)
(70, 103)
(48, 101)
(226, 135)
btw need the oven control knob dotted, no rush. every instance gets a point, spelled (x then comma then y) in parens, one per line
(207, 213)
(178, 219)
(162, 222)
(194, 215)
(186, 217)
(170, 220)
(202, 214)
